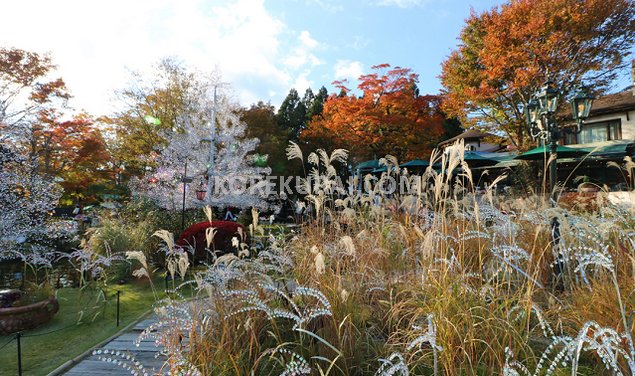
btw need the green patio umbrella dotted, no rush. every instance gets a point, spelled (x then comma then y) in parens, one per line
(368, 165)
(420, 163)
(474, 159)
(455, 171)
(541, 152)
(437, 166)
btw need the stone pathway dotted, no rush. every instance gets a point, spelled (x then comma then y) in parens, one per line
(146, 353)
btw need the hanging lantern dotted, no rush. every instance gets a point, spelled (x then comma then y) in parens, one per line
(531, 111)
(200, 195)
(548, 98)
(581, 104)
(201, 192)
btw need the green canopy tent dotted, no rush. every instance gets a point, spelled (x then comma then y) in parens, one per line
(609, 150)
(594, 164)
(542, 152)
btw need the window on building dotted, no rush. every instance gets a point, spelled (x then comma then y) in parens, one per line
(597, 132)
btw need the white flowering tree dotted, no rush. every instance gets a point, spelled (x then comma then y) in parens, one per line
(30, 102)
(238, 174)
(26, 199)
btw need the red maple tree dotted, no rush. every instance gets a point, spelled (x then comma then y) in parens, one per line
(389, 117)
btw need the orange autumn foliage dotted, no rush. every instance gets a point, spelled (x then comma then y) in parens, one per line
(507, 53)
(389, 117)
(73, 150)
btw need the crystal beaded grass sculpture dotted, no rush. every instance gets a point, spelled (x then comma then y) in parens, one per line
(437, 280)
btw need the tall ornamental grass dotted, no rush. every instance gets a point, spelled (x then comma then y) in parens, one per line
(440, 281)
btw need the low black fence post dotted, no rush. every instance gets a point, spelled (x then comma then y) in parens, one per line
(17, 338)
(118, 294)
(559, 263)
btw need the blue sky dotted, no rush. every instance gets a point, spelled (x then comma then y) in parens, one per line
(262, 47)
(359, 34)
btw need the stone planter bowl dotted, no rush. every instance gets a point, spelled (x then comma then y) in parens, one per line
(16, 319)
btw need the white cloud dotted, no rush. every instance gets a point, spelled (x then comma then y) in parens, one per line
(307, 41)
(302, 55)
(402, 3)
(348, 69)
(358, 43)
(331, 6)
(95, 44)
(302, 82)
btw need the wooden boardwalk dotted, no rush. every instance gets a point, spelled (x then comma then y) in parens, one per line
(146, 353)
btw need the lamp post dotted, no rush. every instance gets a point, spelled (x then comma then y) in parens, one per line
(212, 150)
(541, 118)
(185, 180)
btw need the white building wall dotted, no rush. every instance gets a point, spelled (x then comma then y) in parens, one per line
(628, 122)
(484, 146)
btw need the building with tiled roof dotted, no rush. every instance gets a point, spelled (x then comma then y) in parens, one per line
(612, 118)
(475, 140)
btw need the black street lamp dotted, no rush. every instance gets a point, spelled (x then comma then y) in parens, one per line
(541, 117)
(540, 112)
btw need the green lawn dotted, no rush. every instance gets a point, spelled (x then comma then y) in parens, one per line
(63, 339)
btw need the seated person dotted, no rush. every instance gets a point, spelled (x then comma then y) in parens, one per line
(229, 216)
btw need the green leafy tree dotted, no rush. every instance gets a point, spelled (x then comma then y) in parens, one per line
(260, 119)
(151, 109)
(452, 127)
(292, 114)
(316, 106)
(307, 100)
